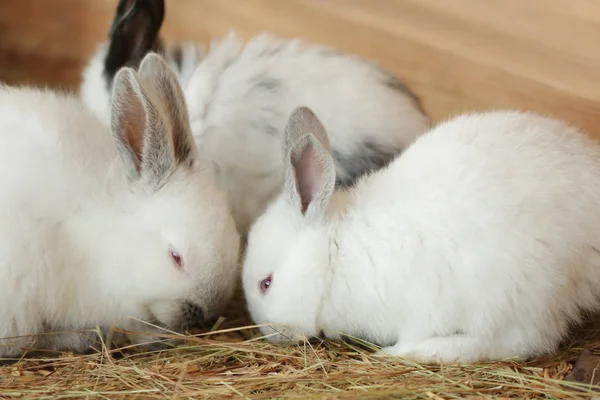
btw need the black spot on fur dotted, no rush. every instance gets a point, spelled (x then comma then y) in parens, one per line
(133, 33)
(272, 130)
(397, 85)
(267, 84)
(368, 158)
(177, 54)
(263, 126)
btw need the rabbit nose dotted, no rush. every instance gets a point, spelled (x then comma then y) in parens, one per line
(193, 317)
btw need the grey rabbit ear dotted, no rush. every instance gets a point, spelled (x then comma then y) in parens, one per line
(309, 166)
(133, 33)
(142, 131)
(161, 82)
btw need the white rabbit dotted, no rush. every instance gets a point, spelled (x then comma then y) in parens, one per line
(97, 228)
(482, 241)
(239, 96)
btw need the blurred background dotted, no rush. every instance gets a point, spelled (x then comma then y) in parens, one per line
(457, 55)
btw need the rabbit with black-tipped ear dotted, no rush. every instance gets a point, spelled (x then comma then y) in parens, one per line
(240, 95)
(482, 241)
(105, 230)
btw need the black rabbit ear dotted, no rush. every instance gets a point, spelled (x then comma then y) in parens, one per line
(134, 32)
(122, 7)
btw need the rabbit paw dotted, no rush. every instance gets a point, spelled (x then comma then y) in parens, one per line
(440, 350)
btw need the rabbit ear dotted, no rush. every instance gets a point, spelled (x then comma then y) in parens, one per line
(162, 85)
(133, 33)
(143, 131)
(309, 166)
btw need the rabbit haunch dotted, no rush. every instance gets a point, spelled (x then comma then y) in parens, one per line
(240, 95)
(98, 228)
(480, 242)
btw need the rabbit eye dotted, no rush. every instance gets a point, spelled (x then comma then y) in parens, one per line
(177, 259)
(265, 284)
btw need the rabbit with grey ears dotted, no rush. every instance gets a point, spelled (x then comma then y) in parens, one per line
(482, 241)
(105, 230)
(240, 94)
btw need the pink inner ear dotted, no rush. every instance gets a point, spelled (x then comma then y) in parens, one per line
(309, 174)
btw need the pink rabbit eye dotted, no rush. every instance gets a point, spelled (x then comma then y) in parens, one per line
(177, 259)
(265, 284)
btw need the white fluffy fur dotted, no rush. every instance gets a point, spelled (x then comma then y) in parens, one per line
(241, 94)
(82, 244)
(482, 241)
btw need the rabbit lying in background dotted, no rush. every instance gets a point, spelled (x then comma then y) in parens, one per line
(240, 95)
(482, 241)
(98, 228)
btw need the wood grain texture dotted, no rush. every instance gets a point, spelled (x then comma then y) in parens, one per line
(457, 55)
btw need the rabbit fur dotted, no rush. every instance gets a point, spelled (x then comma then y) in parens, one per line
(480, 242)
(240, 95)
(104, 230)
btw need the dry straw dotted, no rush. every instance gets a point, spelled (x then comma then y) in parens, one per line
(236, 363)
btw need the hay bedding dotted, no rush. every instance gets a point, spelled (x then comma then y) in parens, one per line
(233, 362)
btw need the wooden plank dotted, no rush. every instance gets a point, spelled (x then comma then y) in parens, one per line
(458, 55)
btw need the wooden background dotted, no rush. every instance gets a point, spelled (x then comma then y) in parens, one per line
(457, 55)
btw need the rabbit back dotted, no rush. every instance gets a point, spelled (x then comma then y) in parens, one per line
(487, 226)
(241, 96)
